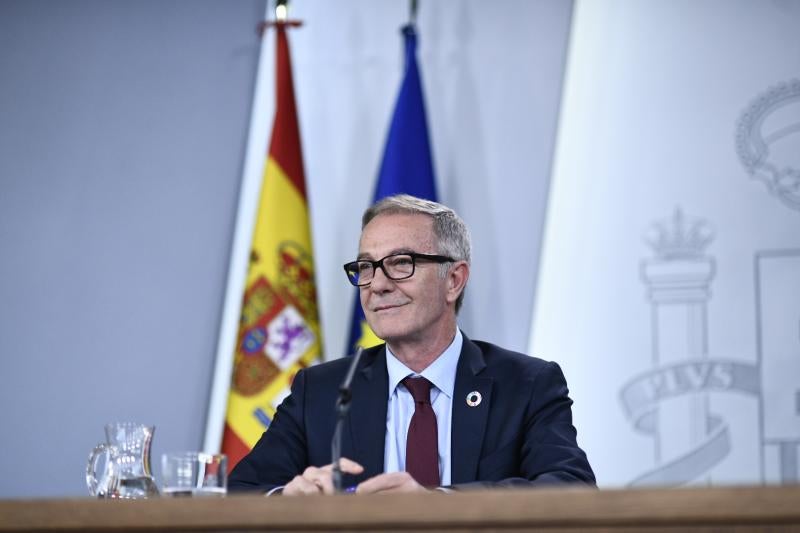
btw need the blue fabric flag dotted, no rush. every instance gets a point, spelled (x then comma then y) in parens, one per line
(407, 165)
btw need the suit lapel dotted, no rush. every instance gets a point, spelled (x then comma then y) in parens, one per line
(469, 423)
(368, 412)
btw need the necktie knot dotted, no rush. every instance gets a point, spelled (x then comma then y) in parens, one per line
(420, 389)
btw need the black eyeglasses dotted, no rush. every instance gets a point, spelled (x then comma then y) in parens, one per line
(395, 266)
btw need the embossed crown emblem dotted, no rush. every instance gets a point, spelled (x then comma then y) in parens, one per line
(679, 237)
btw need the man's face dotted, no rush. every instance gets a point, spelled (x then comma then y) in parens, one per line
(413, 309)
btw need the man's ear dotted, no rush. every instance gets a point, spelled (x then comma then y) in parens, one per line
(457, 277)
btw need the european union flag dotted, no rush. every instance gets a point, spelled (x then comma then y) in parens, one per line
(407, 165)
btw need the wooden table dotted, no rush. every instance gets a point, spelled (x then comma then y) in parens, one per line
(570, 509)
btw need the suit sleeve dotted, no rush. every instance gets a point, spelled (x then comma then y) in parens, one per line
(281, 452)
(550, 452)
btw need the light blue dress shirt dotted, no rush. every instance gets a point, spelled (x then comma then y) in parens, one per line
(442, 373)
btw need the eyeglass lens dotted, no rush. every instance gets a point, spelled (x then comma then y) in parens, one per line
(394, 266)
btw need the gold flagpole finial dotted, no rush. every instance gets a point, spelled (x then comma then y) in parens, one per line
(281, 10)
(281, 18)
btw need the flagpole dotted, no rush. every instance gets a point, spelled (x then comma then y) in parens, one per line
(263, 108)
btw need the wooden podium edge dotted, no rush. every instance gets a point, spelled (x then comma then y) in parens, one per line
(577, 508)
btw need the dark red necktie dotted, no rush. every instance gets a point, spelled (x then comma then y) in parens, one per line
(422, 449)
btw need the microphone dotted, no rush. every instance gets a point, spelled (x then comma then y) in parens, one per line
(342, 408)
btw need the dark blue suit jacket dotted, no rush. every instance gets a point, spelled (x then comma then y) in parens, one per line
(520, 434)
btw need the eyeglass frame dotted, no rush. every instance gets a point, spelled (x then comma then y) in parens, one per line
(379, 264)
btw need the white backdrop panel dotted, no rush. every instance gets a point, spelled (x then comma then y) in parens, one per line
(663, 344)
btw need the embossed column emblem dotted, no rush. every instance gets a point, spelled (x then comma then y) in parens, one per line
(671, 402)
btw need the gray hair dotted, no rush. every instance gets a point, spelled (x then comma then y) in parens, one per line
(452, 235)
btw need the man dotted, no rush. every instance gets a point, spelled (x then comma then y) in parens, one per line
(430, 408)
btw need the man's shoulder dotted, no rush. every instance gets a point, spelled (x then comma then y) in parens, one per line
(337, 368)
(518, 371)
(504, 360)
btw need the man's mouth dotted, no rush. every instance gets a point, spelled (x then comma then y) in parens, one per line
(386, 307)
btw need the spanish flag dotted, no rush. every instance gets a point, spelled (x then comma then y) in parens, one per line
(279, 330)
(407, 165)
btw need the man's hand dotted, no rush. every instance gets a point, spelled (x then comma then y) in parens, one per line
(388, 483)
(316, 480)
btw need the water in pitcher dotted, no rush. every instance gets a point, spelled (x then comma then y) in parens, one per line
(136, 487)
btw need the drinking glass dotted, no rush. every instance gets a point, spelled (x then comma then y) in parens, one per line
(194, 474)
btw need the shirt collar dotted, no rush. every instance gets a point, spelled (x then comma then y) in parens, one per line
(442, 372)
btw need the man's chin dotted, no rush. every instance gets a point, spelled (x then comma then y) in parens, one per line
(386, 331)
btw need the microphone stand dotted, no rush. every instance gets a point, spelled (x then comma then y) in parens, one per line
(342, 408)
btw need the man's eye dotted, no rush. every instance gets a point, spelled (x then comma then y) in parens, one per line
(364, 267)
(404, 261)
(401, 261)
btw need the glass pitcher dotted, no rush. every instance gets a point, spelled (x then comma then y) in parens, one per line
(127, 463)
